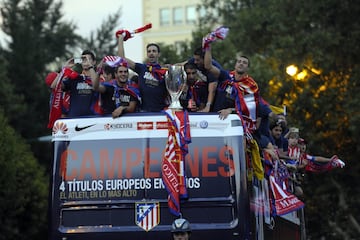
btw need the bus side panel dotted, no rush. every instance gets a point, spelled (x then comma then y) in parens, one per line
(283, 230)
(102, 173)
(97, 183)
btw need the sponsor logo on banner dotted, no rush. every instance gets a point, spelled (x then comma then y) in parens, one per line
(78, 129)
(110, 126)
(161, 125)
(145, 125)
(59, 127)
(204, 124)
(147, 215)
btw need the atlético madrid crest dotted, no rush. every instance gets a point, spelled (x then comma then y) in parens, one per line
(147, 214)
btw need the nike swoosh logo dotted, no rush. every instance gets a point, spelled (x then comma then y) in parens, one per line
(82, 128)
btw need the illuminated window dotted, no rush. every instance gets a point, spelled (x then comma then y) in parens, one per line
(164, 17)
(178, 15)
(202, 12)
(191, 14)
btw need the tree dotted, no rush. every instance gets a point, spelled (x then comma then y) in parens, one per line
(103, 40)
(23, 189)
(49, 41)
(8, 99)
(324, 105)
(37, 36)
(171, 54)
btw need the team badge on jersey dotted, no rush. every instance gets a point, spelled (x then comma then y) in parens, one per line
(147, 215)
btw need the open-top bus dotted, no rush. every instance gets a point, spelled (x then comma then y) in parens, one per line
(107, 184)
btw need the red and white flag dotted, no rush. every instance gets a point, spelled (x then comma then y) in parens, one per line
(173, 165)
(115, 61)
(129, 34)
(284, 202)
(320, 167)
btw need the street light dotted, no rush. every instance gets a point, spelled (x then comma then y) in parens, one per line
(293, 71)
(301, 75)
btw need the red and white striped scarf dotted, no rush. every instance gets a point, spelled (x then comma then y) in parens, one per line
(173, 165)
(246, 98)
(294, 152)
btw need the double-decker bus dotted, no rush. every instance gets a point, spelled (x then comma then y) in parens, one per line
(107, 184)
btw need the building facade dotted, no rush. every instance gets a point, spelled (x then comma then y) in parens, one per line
(172, 21)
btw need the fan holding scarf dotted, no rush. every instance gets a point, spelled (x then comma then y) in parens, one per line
(118, 95)
(151, 75)
(237, 91)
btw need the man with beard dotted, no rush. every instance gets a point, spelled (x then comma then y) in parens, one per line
(211, 80)
(194, 96)
(118, 97)
(236, 92)
(151, 77)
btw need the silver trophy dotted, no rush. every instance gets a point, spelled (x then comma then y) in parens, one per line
(175, 80)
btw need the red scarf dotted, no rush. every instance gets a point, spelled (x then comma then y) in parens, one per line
(58, 100)
(246, 95)
(173, 164)
(156, 70)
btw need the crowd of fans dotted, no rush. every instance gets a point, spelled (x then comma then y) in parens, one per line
(84, 88)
